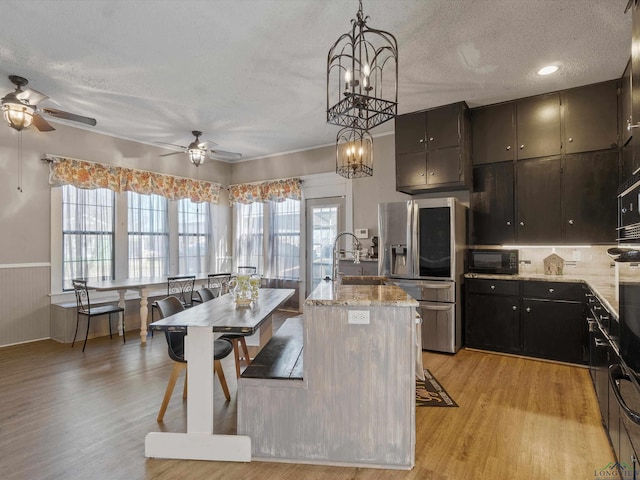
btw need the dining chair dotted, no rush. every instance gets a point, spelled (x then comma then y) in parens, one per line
(175, 343)
(84, 308)
(180, 287)
(219, 283)
(204, 295)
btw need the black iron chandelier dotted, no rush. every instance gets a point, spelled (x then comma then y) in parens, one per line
(362, 90)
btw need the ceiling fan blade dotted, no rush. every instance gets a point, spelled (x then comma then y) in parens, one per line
(69, 116)
(41, 124)
(31, 96)
(208, 144)
(224, 155)
(169, 154)
(172, 144)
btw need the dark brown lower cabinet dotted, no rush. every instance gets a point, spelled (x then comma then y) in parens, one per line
(553, 330)
(499, 317)
(493, 323)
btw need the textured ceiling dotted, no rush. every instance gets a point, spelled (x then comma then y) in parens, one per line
(251, 73)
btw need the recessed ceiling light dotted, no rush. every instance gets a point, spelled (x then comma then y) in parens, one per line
(548, 70)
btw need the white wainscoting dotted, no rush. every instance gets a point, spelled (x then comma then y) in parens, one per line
(24, 302)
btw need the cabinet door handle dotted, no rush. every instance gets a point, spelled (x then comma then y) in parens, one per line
(509, 223)
(570, 222)
(493, 287)
(431, 139)
(521, 147)
(514, 308)
(522, 224)
(422, 174)
(551, 290)
(422, 140)
(432, 173)
(570, 139)
(508, 147)
(528, 309)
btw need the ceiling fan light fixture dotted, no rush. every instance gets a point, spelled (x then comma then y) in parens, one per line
(18, 115)
(196, 155)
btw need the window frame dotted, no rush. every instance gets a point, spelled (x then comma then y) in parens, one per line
(111, 234)
(165, 236)
(204, 260)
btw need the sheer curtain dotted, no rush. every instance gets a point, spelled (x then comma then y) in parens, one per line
(87, 232)
(148, 235)
(284, 239)
(194, 234)
(249, 235)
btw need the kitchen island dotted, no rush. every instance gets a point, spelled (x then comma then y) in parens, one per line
(355, 401)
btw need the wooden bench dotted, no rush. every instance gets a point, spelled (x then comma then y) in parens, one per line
(281, 357)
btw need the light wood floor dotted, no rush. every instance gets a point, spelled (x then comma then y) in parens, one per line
(69, 415)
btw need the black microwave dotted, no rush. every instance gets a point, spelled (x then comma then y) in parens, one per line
(497, 261)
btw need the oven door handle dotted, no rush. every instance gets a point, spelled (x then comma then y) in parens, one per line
(426, 306)
(616, 373)
(436, 286)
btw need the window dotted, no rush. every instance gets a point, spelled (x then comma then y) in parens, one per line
(249, 236)
(284, 239)
(193, 237)
(87, 234)
(277, 224)
(148, 235)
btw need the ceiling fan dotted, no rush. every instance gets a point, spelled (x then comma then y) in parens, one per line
(20, 108)
(198, 151)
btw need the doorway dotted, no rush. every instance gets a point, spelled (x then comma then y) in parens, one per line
(325, 219)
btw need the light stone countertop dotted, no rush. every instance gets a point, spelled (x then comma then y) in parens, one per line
(327, 293)
(603, 286)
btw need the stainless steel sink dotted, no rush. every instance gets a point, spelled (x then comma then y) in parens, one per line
(363, 281)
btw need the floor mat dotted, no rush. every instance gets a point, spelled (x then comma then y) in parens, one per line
(429, 393)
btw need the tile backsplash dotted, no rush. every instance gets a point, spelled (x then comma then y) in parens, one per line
(591, 260)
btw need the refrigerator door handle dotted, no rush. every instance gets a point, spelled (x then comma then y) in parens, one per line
(615, 374)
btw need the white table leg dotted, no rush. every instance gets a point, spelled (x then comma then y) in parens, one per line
(121, 304)
(198, 350)
(199, 443)
(144, 311)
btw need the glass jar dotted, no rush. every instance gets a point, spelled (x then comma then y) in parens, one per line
(255, 281)
(241, 288)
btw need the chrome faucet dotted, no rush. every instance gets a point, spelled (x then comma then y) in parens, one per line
(356, 253)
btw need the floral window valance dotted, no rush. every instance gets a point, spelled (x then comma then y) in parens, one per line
(274, 191)
(89, 175)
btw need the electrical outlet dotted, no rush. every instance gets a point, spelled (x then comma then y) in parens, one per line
(359, 317)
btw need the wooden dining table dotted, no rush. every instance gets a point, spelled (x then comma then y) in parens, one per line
(203, 323)
(144, 286)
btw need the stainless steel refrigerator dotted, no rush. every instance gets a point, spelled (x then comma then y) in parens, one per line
(422, 247)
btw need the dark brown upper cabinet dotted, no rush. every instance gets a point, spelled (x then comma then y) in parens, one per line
(538, 196)
(493, 204)
(589, 185)
(625, 118)
(538, 126)
(591, 117)
(494, 133)
(432, 152)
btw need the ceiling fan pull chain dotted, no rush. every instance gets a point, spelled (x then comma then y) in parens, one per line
(20, 161)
